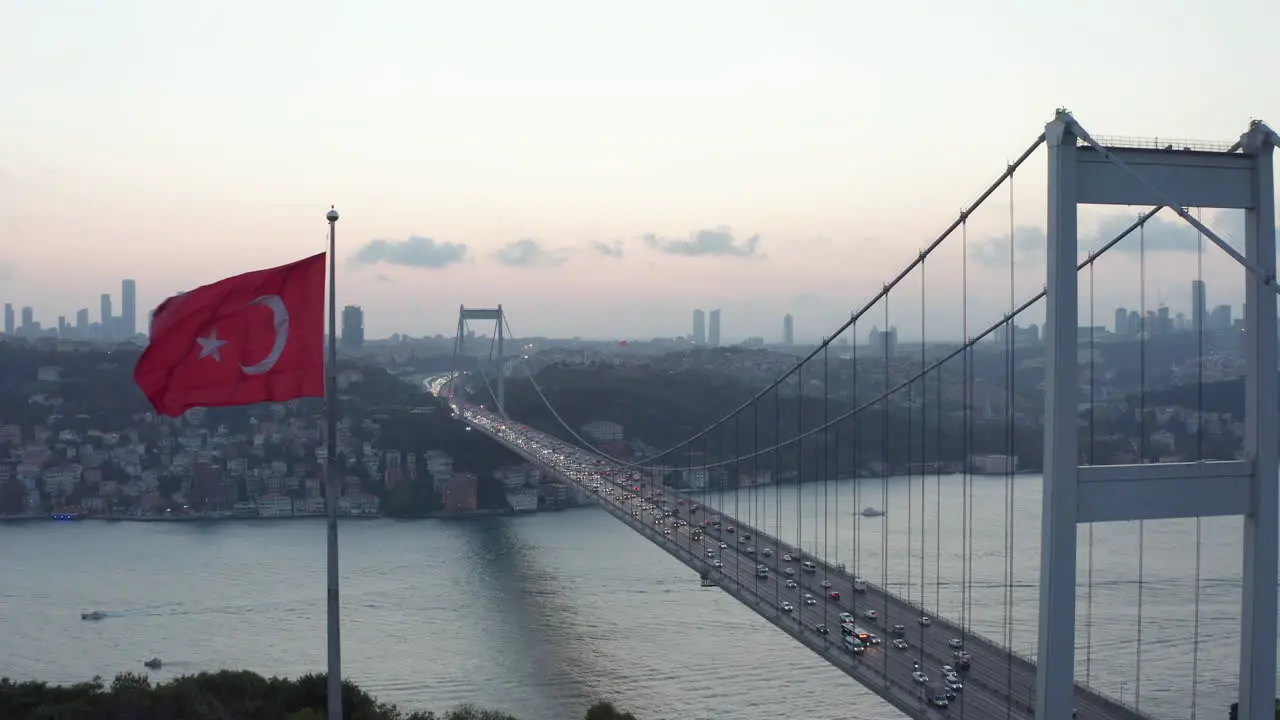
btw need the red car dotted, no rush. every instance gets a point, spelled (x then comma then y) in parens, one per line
(834, 595)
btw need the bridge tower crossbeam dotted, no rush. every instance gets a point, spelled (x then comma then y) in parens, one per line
(499, 319)
(1084, 171)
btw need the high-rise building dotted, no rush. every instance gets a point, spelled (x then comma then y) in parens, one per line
(1122, 321)
(788, 330)
(713, 329)
(28, 317)
(62, 326)
(105, 303)
(1199, 307)
(699, 327)
(352, 326)
(82, 322)
(128, 308)
(1220, 319)
(9, 320)
(884, 341)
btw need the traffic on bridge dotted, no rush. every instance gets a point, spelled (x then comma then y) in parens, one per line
(920, 664)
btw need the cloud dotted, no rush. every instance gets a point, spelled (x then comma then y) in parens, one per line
(809, 299)
(527, 253)
(1163, 233)
(415, 251)
(613, 249)
(716, 242)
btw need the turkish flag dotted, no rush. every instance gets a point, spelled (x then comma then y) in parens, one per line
(256, 337)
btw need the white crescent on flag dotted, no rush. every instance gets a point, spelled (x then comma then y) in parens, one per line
(281, 316)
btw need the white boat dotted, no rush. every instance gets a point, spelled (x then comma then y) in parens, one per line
(869, 511)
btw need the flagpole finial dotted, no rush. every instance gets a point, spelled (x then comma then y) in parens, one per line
(332, 215)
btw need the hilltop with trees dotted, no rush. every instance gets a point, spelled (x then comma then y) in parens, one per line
(240, 694)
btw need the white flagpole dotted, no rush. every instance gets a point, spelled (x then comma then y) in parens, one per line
(333, 481)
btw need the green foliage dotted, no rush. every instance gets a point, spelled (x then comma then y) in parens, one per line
(606, 711)
(225, 695)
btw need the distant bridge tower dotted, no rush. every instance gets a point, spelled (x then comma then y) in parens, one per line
(496, 316)
(1083, 171)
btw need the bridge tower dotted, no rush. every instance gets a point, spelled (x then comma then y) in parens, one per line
(499, 319)
(1084, 171)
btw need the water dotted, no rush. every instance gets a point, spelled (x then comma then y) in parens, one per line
(540, 615)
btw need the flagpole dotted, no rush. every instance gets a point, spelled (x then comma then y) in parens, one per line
(333, 482)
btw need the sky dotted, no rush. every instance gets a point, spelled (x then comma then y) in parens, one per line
(601, 168)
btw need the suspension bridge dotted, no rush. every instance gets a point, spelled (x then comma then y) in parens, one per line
(927, 597)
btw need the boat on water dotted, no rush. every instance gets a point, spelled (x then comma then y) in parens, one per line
(869, 511)
(153, 663)
(95, 615)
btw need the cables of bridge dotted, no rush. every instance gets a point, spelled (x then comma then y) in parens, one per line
(966, 431)
(1142, 449)
(799, 465)
(879, 399)
(884, 292)
(1011, 452)
(911, 472)
(937, 496)
(777, 481)
(856, 461)
(911, 446)
(1199, 311)
(884, 481)
(825, 473)
(1093, 460)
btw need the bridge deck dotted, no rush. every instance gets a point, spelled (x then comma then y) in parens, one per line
(998, 684)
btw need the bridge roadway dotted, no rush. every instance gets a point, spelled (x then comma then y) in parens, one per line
(990, 689)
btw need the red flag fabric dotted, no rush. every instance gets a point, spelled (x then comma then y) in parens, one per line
(256, 337)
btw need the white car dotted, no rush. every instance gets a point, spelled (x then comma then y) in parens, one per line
(787, 607)
(920, 677)
(900, 644)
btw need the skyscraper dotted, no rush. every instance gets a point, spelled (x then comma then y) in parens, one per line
(82, 322)
(105, 303)
(28, 317)
(699, 327)
(788, 330)
(1199, 307)
(9, 320)
(352, 326)
(713, 329)
(128, 308)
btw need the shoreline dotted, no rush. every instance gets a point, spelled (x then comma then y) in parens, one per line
(471, 515)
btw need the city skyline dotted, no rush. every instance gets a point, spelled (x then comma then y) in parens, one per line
(110, 325)
(712, 188)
